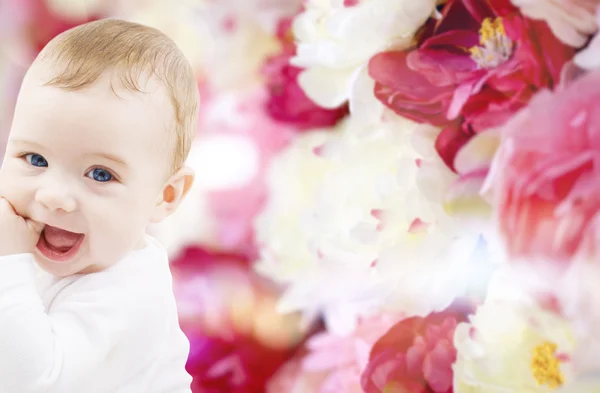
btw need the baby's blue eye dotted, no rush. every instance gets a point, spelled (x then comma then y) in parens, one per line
(36, 160)
(100, 175)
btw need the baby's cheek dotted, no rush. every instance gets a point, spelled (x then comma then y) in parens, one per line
(17, 191)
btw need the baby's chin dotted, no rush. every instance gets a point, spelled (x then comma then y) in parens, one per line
(57, 269)
(65, 269)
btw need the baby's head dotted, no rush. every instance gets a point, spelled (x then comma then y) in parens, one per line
(102, 127)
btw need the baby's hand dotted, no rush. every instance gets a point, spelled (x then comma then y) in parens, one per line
(17, 234)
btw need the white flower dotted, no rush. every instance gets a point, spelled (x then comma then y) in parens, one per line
(335, 43)
(294, 175)
(225, 41)
(283, 237)
(512, 345)
(267, 13)
(355, 244)
(571, 21)
(78, 9)
(589, 58)
(178, 20)
(584, 384)
(576, 290)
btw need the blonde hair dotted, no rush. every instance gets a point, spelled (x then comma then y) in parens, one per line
(85, 52)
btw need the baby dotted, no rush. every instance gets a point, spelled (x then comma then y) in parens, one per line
(102, 127)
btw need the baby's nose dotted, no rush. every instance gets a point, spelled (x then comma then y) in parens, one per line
(55, 199)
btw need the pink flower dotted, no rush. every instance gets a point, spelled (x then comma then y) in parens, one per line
(415, 355)
(238, 339)
(40, 23)
(470, 71)
(287, 101)
(572, 21)
(546, 178)
(330, 363)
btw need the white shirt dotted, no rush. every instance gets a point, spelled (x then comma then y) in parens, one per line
(114, 331)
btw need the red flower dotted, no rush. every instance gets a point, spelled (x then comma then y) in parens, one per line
(470, 71)
(415, 355)
(238, 340)
(232, 366)
(287, 102)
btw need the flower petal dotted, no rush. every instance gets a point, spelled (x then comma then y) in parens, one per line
(331, 94)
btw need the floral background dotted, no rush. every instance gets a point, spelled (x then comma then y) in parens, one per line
(392, 196)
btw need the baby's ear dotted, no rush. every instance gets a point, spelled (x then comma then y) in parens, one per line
(174, 191)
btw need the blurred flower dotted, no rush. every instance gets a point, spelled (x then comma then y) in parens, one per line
(231, 155)
(332, 364)
(287, 101)
(472, 164)
(574, 294)
(180, 20)
(511, 344)
(572, 21)
(569, 295)
(239, 43)
(471, 71)
(35, 23)
(267, 13)
(584, 384)
(336, 39)
(293, 177)
(82, 9)
(589, 58)
(292, 378)
(238, 340)
(545, 178)
(370, 231)
(415, 355)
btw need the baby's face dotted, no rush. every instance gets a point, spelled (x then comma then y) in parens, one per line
(89, 165)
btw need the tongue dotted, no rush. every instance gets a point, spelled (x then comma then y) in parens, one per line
(60, 239)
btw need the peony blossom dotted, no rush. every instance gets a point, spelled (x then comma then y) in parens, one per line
(511, 344)
(574, 294)
(570, 296)
(332, 363)
(371, 231)
(544, 178)
(336, 39)
(584, 384)
(287, 101)
(571, 21)
(237, 338)
(470, 71)
(415, 355)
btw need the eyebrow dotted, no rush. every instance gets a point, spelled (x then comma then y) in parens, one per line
(110, 157)
(25, 142)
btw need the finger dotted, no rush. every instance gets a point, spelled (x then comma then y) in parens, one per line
(34, 226)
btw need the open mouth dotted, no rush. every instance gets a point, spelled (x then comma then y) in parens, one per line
(59, 245)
